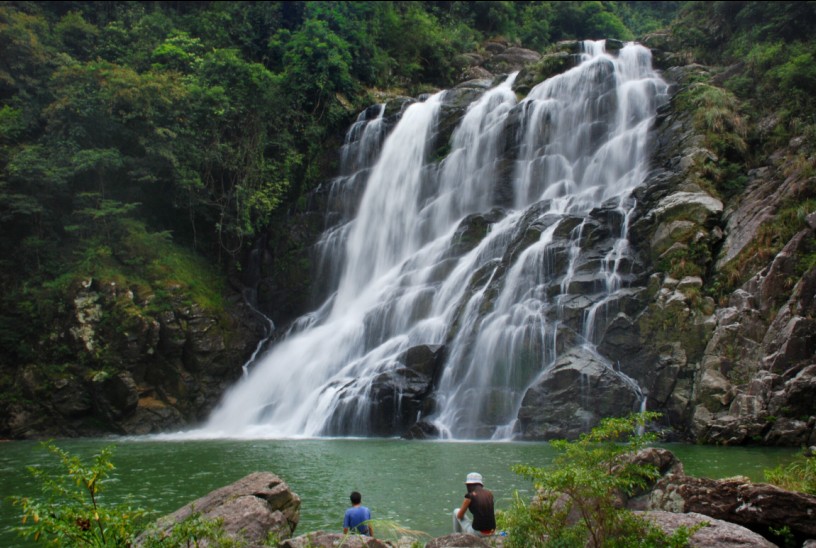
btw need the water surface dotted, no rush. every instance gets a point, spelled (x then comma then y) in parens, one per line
(413, 483)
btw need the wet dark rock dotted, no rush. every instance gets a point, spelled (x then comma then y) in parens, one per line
(422, 430)
(145, 372)
(573, 395)
(397, 396)
(116, 396)
(454, 106)
(473, 229)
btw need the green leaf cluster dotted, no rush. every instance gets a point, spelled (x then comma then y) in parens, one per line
(768, 48)
(578, 494)
(797, 475)
(71, 511)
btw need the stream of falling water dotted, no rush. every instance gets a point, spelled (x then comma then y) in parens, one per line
(398, 273)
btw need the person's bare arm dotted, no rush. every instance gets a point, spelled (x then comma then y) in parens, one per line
(461, 513)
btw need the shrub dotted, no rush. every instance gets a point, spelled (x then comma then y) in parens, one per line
(578, 494)
(69, 512)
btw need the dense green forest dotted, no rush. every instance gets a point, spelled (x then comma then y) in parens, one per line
(149, 143)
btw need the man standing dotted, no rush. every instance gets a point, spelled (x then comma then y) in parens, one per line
(358, 517)
(480, 503)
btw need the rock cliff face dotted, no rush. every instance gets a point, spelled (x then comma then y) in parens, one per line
(139, 369)
(737, 369)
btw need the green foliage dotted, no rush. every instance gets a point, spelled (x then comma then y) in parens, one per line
(535, 30)
(69, 512)
(77, 35)
(770, 238)
(317, 66)
(193, 531)
(769, 48)
(179, 52)
(798, 475)
(421, 46)
(717, 114)
(645, 17)
(784, 535)
(690, 259)
(584, 20)
(577, 494)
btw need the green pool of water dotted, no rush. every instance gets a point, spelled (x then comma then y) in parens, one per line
(413, 483)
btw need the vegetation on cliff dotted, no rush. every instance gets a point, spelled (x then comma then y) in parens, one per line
(140, 141)
(755, 104)
(145, 146)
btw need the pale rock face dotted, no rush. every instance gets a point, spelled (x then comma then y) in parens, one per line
(252, 509)
(88, 312)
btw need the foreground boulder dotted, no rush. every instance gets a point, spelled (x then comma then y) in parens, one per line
(460, 540)
(714, 533)
(760, 507)
(253, 509)
(323, 539)
(757, 506)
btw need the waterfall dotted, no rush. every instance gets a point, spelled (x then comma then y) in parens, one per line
(509, 249)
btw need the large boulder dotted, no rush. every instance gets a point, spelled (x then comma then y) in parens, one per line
(713, 533)
(759, 507)
(511, 60)
(323, 539)
(495, 58)
(574, 395)
(398, 395)
(459, 540)
(252, 509)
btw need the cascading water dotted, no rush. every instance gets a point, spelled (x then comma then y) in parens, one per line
(486, 264)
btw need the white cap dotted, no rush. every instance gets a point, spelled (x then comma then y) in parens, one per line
(474, 477)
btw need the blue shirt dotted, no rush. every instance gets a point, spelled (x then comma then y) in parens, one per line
(354, 517)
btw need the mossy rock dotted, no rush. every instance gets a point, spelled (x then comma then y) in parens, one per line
(548, 66)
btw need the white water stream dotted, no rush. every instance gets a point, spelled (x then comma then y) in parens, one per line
(396, 280)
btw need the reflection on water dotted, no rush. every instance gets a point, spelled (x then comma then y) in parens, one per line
(413, 483)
